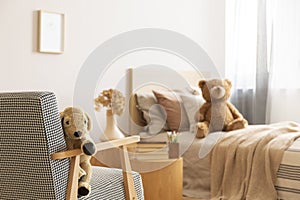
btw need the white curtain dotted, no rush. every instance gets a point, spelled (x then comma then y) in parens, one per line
(284, 91)
(263, 58)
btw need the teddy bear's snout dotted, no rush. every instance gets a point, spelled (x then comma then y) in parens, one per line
(217, 92)
(77, 133)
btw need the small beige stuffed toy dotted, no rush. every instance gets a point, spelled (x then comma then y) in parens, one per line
(217, 114)
(77, 125)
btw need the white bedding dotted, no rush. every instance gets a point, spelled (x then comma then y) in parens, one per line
(196, 166)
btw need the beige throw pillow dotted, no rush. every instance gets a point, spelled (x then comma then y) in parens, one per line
(177, 118)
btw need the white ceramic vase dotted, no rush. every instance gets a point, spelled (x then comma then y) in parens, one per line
(111, 131)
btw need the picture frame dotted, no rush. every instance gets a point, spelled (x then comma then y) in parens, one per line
(50, 32)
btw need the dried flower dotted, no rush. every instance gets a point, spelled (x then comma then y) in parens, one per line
(112, 99)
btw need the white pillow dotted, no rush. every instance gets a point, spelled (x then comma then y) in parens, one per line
(192, 104)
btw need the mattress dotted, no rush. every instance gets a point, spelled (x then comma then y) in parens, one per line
(288, 176)
(196, 166)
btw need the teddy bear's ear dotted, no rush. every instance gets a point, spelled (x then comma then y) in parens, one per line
(89, 121)
(202, 83)
(61, 115)
(228, 82)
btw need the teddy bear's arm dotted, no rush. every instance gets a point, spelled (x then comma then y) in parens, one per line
(204, 108)
(88, 146)
(235, 113)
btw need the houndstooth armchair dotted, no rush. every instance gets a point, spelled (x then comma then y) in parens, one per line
(30, 132)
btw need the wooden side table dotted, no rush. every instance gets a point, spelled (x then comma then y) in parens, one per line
(162, 179)
(165, 182)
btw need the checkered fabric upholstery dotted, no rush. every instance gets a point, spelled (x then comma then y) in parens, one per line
(107, 184)
(30, 131)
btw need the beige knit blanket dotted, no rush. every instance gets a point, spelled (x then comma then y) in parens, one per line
(244, 163)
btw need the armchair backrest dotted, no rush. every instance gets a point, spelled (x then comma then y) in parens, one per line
(30, 131)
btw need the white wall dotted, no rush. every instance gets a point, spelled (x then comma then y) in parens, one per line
(88, 24)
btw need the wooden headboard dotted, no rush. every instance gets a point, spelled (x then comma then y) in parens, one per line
(145, 79)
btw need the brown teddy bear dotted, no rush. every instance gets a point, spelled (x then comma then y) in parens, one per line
(76, 125)
(217, 114)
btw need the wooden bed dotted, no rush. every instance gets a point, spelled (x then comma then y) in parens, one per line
(143, 80)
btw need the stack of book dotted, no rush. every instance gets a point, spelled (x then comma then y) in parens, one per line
(150, 151)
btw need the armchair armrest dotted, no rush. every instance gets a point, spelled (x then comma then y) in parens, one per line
(99, 147)
(66, 154)
(117, 143)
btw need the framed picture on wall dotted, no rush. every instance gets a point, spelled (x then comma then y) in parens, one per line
(50, 32)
